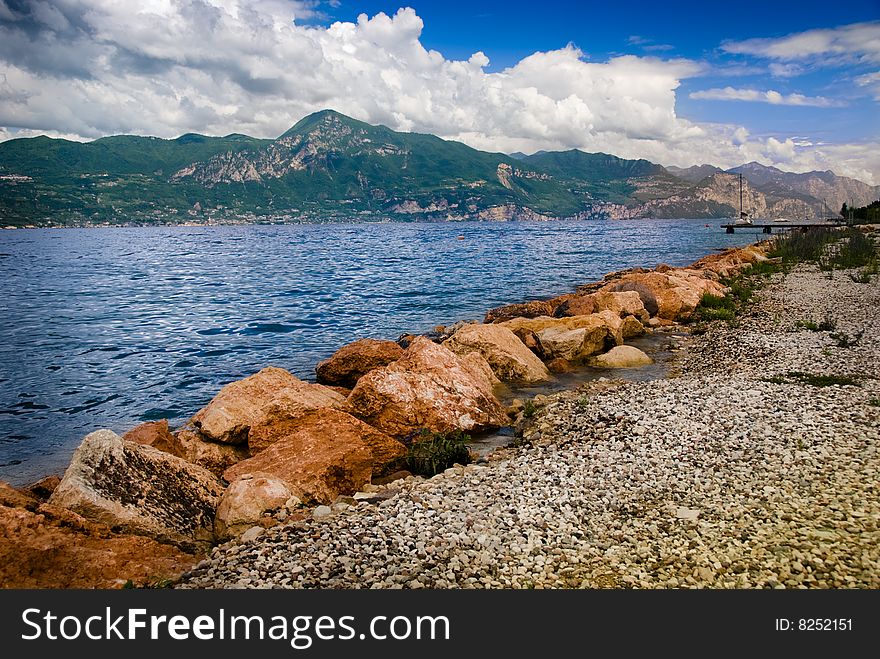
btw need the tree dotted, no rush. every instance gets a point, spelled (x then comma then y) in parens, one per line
(844, 211)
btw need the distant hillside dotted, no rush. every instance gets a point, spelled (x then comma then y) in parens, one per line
(818, 186)
(693, 174)
(329, 166)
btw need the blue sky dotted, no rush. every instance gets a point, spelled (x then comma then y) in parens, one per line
(790, 84)
(508, 31)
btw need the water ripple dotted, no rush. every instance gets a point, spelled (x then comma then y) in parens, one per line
(111, 327)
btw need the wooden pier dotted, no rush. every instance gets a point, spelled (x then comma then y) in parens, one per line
(781, 226)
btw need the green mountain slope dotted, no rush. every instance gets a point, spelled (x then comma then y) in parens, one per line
(329, 166)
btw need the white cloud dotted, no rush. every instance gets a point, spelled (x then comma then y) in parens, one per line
(859, 41)
(872, 82)
(769, 96)
(166, 67)
(778, 70)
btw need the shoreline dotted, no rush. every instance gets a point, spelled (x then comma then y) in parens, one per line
(413, 483)
(719, 477)
(207, 374)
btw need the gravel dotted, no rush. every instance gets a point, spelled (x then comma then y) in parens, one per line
(733, 473)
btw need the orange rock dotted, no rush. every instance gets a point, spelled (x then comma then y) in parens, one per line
(228, 418)
(573, 338)
(346, 366)
(246, 501)
(323, 455)
(212, 456)
(44, 487)
(576, 305)
(671, 295)
(429, 387)
(560, 365)
(50, 547)
(157, 435)
(508, 357)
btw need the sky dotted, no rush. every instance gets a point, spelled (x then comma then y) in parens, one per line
(790, 84)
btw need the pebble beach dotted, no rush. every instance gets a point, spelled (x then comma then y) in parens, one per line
(736, 471)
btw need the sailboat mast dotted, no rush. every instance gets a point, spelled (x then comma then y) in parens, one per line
(740, 195)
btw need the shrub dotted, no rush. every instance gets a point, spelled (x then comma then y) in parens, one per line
(824, 380)
(828, 324)
(529, 409)
(844, 340)
(807, 325)
(430, 453)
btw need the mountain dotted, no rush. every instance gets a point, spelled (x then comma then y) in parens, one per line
(338, 160)
(693, 174)
(827, 186)
(329, 166)
(601, 177)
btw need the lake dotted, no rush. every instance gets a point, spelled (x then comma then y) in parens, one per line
(112, 327)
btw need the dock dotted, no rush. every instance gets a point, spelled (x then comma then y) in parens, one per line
(781, 226)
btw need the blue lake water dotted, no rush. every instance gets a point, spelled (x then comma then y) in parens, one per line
(111, 327)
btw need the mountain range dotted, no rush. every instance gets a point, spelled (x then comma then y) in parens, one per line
(329, 166)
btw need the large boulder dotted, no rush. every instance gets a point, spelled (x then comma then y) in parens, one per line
(323, 455)
(429, 387)
(157, 435)
(384, 449)
(228, 418)
(140, 490)
(672, 295)
(209, 455)
(246, 501)
(573, 338)
(623, 303)
(346, 366)
(509, 358)
(730, 261)
(622, 357)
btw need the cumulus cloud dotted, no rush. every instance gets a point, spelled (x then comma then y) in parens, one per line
(769, 96)
(166, 67)
(859, 41)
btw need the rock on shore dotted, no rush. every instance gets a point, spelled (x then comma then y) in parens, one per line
(736, 474)
(509, 358)
(429, 387)
(140, 489)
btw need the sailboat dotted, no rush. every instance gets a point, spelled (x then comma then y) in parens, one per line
(743, 216)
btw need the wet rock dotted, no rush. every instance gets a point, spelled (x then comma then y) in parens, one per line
(622, 357)
(509, 358)
(631, 327)
(140, 489)
(346, 366)
(157, 435)
(559, 365)
(531, 309)
(429, 387)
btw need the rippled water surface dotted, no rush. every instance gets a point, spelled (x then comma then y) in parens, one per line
(111, 327)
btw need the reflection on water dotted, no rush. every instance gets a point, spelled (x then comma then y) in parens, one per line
(110, 327)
